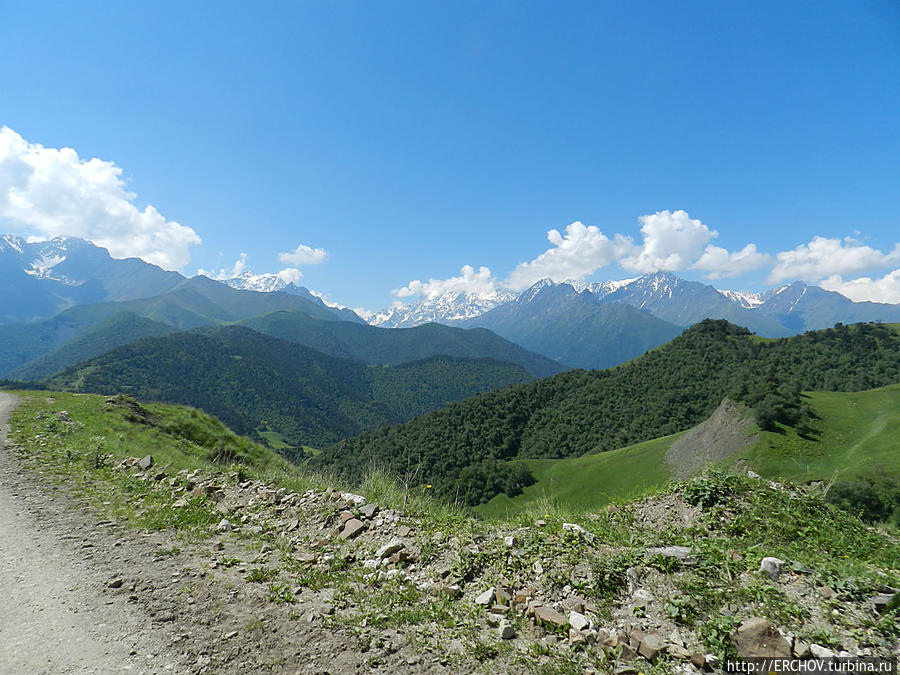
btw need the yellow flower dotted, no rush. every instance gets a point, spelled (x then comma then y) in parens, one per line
(428, 486)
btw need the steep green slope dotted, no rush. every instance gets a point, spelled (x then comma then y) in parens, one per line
(665, 391)
(393, 346)
(117, 330)
(855, 439)
(255, 383)
(577, 328)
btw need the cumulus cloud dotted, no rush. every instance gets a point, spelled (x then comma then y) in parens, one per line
(303, 255)
(481, 283)
(824, 258)
(720, 264)
(672, 240)
(224, 273)
(289, 275)
(885, 289)
(53, 192)
(581, 251)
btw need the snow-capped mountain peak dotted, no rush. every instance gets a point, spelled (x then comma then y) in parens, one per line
(263, 283)
(450, 307)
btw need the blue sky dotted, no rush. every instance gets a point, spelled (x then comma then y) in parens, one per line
(399, 141)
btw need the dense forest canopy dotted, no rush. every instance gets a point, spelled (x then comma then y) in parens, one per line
(667, 390)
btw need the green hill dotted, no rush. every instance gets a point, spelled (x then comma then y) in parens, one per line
(393, 346)
(257, 384)
(855, 440)
(117, 330)
(663, 392)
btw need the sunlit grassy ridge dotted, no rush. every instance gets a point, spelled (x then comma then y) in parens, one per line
(733, 522)
(856, 435)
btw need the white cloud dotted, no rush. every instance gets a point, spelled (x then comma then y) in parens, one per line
(481, 283)
(304, 255)
(239, 266)
(823, 257)
(885, 289)
(54, 192)
(720, 264)
(289, 275)
(582, 251)
(672, 241)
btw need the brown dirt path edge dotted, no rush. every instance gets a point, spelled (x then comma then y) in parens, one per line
(53, 616)
(171, 614)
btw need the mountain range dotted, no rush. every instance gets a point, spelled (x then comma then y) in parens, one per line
(260, 385)
(67, 290)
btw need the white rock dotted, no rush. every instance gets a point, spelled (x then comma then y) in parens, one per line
(578, 621)
(821, 652)
(773, 567)
(486, 598)
(350, 497)
(224, 525)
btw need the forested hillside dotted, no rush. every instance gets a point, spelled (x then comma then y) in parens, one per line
(393, 346)
(255, 383)
(667, 390)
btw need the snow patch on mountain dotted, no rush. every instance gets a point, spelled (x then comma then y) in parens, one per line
(743, 298)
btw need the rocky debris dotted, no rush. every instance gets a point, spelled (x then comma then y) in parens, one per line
(146, 462)
(681, 554)
(650, 646)
(224, 525)
(368, 511)
(772, 567)
(549, 616)
(579, 530)
(578, 621)
(820, 652)
(506, 631)
(389, 549)
(886, 601)
(356, 500)
(759, 637)
(352, 529)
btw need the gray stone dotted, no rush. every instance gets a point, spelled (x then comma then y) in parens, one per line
(820, 652)
(352, 528)
(801, 649)
(146, 462)
(682, 554)
(352, 498)
(886, 601)
(506, 631)
(550, 616)
(772, 567)
(486, 598)
(578, 621)
(389, 549)
(224, 525)
(758, 637)
(651, 645)
(493, 619)
(576, 638)
(509, 541)
(369, 510)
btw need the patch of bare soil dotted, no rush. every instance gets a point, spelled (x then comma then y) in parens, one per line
(726, 432)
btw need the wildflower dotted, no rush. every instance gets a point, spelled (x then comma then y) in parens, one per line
(428, 486)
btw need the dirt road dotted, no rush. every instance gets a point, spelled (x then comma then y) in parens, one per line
(54, 616)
